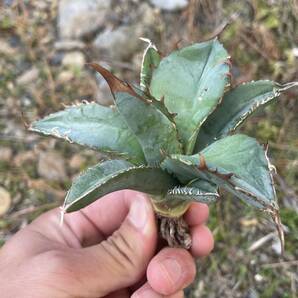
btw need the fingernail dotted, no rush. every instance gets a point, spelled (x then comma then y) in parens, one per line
(172, 270)
(147, 293)
(138, 214)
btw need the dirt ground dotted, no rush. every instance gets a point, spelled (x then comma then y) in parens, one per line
(42, 69)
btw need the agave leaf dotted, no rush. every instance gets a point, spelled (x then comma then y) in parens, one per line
(154, 131)
(236, 106)
(95, 126)
(237, 163)
(151, 60)
(159, 104)
(113, 175)
(198, 190)
(183, 79)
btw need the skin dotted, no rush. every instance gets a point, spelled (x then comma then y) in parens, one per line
(108, 249)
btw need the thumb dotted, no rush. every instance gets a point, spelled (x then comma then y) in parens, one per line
(122, 259)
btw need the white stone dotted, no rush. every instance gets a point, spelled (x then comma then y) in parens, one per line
(74, 59)
(169, 4)
(65, 76)
(68, 45)
(295, 52)
(5, 201)
(28, 76)
(120, 43)
(77, 18)
(258, 278)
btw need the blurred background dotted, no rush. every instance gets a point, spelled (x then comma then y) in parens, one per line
(44, 46)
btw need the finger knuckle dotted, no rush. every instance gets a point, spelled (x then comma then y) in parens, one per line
(122, 254)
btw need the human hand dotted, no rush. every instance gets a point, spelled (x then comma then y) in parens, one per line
(108, 249)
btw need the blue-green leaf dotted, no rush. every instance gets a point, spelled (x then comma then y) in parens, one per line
(198, 190)
(235, 107)
(113, 175)
(151, 60)
(191, 81)
(237, 163)
(95, 126)
(154, 131)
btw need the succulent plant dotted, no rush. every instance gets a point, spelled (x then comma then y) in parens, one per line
(173, 137)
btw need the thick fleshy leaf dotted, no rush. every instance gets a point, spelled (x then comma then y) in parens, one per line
(151, 60)
(192, 81)
(95, 126)
(237, 163)
(113, 175)
(236, 105)
(154, 131)
(198, 190)
(159, 104)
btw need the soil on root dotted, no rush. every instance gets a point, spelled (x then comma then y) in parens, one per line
(175, 231)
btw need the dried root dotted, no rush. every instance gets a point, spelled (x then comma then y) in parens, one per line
(175, 231)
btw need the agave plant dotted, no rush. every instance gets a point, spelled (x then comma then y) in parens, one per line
(173, 137)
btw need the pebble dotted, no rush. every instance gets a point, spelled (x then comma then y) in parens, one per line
(28, 76)
(5, 48)
(74, 59)
(68, 45)
(169, 5)
(65, 76)
(76, 162)
(78, 18)
(51, 166)
(5, 201)
(120, 43)
(5, 154)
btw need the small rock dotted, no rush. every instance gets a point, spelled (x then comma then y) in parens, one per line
(56, 58)
(28, 76)
(252, 293)
(169, 4)
(258, 278)
(23, 157)
(120, 43)
(65, 76)
(76, 161)
(148, 16)
(5, 201)
(68, 45)
(77, 18)
(276, 246)
(5, 154)
(6, 49)
(74, 59)
(51, 166)
(295, 52)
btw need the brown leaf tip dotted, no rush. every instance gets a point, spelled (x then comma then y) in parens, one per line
(115, 84)
(202, 163)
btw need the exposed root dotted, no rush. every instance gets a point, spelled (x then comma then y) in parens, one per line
(175, 231)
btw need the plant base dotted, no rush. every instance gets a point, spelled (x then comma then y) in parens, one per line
(175, 231)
